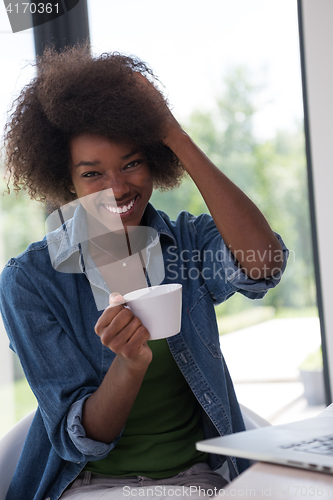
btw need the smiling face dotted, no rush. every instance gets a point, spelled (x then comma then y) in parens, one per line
(117, 176)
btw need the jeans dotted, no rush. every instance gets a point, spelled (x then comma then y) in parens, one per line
(196, 483)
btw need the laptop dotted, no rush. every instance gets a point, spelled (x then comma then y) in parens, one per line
(307, 444)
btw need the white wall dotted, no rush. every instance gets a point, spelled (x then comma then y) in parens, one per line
(317, 20)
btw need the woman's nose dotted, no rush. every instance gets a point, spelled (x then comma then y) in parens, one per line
(117, 185)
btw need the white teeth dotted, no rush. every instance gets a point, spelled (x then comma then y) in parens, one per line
(120, 210)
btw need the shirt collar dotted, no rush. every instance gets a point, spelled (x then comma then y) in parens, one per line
(153, 218)
(72, 234)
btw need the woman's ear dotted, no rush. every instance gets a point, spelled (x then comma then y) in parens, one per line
(72, 190)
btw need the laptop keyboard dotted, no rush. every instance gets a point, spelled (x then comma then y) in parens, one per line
(322, 445)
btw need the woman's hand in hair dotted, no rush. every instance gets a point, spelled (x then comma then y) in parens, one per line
(172, 129)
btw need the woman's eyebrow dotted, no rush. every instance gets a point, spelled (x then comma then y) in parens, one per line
(87, 164)
(126, 157)
(84, 163)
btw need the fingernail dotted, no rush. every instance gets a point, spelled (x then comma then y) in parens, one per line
(116, 297)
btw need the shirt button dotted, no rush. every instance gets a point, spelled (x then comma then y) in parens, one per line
(207, 398)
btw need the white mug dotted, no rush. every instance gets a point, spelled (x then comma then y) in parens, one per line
(159, 308)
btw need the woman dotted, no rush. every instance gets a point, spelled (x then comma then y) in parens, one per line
(116, 411)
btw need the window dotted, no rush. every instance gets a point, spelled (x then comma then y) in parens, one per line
(21, 221)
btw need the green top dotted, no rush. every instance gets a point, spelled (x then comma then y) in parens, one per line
(160, 434)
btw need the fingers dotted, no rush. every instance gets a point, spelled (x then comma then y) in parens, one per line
(118, 326)
(116, 316)
(152, 91)
(125, 335)
(116, 301)
(140, 78)
(129, 340)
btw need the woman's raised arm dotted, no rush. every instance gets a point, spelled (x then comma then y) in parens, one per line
(241, 224)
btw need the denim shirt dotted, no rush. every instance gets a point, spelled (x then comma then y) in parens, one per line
(50, 318)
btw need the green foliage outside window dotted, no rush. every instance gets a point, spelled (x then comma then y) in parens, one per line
(22, 221)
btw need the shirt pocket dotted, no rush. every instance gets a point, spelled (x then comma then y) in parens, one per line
(204, 323)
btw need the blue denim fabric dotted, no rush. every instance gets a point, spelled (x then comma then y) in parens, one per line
(50, 317)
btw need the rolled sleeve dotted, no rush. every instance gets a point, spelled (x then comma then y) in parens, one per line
(95, 450)
(223, 276)
(58, 371)
(252, 288)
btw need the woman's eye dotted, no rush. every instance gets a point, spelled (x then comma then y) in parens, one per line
(89, 174)
(133, 164)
